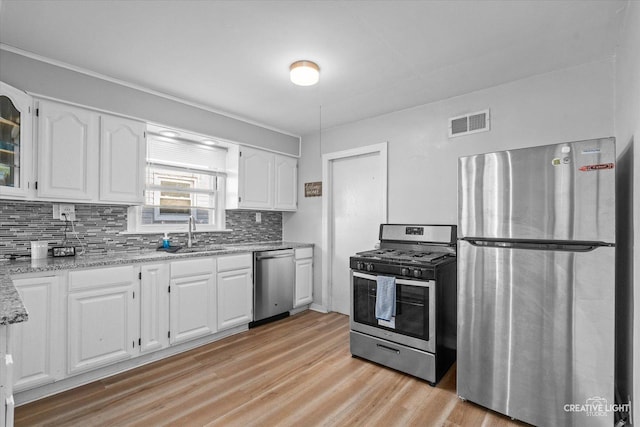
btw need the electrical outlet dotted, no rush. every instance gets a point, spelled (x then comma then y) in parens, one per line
(258, 217)
(64, 212)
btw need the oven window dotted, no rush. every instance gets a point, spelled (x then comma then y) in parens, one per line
(412, 308)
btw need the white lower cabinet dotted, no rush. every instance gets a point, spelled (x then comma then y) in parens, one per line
(154, 307)
(6, 377)
(192, 303)
(303, 293)
(38, 343)
(235, 290)
(103, 317)
(88, 319)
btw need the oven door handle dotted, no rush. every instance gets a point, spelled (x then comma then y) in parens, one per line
(364, 276)
(420, 283)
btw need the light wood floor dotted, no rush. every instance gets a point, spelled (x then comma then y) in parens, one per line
(294, 372)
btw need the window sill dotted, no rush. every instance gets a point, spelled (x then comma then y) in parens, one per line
(226, 230)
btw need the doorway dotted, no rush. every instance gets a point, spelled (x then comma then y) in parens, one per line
(355, 206)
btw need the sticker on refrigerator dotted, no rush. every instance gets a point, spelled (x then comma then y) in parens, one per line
(598, 167)
(591, 151)
(556, 162)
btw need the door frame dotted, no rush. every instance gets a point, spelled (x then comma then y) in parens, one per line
(327, 205)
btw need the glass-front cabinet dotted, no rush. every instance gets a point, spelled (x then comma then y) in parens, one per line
(15, 141)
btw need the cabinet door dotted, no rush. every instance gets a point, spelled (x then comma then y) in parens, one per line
(67, 151)
(122, 160)
(154, 307)
(37, 343)
(235, 298)
(304, 282)
(256, 178)
(15, 142)
(192, 307)
(286, 183)
(104, 321)
(6, 377)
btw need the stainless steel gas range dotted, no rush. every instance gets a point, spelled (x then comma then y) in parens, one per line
(403, 300)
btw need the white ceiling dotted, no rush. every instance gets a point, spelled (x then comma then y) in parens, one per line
(375, 56)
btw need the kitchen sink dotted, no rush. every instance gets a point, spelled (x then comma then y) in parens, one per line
(186, 250)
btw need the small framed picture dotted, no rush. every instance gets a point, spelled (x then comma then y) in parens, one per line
(313, 189)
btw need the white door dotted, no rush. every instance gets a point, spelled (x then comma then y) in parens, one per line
(357, 207)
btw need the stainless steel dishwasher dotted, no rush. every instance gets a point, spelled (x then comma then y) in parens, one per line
(273, 273)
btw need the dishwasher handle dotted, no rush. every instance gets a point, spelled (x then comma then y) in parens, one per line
(274, 254)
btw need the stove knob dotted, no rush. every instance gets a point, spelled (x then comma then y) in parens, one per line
(417, 273)
(360, 265)
(369, 267)
(405, 271)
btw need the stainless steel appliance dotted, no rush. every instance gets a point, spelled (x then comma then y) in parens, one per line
(274, 272)
(536, 282)
(421, 339)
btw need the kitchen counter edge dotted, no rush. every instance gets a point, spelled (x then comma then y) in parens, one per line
(12, 309)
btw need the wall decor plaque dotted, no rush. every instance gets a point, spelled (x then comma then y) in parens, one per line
(313, 189)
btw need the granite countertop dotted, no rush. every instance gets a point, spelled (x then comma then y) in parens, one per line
(13, 311)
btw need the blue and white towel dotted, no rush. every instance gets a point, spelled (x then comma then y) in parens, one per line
(385, 298)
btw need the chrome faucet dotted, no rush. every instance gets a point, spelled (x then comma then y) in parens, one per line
(192, 223)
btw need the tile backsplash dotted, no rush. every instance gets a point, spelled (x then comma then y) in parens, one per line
(100, 228)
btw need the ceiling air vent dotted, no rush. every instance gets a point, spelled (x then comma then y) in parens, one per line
(469, 123)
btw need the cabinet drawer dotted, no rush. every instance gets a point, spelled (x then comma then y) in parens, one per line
(192, 267)
(235, 262)
(304, 253)
(90, 279)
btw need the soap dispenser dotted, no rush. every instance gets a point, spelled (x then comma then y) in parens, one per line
(165, 241)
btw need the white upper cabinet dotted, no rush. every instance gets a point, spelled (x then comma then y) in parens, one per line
(261, 180)
(286, 183)
(67, 151)
(256, 179)
(15, 142)
(122, 160)
(87, 156)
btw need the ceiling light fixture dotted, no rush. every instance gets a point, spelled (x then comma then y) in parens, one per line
(304, 73)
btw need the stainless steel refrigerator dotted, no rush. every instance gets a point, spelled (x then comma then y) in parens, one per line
(536, 282)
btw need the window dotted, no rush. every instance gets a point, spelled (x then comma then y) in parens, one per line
(184, 179)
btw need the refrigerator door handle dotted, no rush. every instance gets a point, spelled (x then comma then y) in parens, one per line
(541, 246)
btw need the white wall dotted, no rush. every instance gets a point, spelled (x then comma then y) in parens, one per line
(566, 105)
(627, 116)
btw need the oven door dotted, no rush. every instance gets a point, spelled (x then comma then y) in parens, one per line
(414, 324)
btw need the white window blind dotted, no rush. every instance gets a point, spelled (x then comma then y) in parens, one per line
(183, 179)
